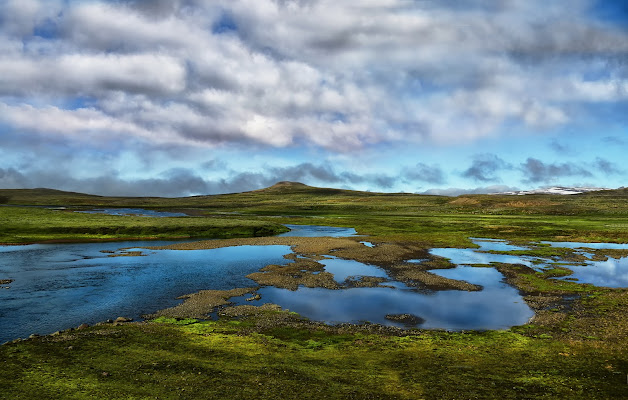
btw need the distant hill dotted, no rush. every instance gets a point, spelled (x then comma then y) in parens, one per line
(292, 198)
(287, 187)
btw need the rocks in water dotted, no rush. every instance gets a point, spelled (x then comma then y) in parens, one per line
(406, 319)
(121, 320)
(128, 254)
(256, 296)
(5, 281)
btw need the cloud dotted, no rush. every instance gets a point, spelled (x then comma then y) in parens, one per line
(425, 173)
(186, 182)
(328, 74)
(11, 178)
(560, 148)
(607, 167)
(484, 167)
(93, 74)
(614, 140)
(536, 171)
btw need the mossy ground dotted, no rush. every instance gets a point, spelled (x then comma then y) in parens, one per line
(234, 360)
(26, 225)
(575, 348)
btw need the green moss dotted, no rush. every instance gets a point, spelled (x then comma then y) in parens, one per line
(19, 225)
(166, 360)
(574, 351)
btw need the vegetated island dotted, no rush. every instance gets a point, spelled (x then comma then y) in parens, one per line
(576, 347)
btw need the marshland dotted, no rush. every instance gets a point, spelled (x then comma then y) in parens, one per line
(293, 291)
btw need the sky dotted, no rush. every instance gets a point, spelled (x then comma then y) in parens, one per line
(191, 97)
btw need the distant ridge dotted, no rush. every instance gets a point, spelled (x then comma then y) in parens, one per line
(288, 184)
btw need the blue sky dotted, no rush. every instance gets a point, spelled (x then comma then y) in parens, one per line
(176, 98)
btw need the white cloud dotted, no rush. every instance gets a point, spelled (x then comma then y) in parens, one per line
(334, 74)
(92, 74)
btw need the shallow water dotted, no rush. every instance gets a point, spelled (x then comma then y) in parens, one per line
(498, 306)
(611, 273)
(475, 256)
(318, 231)
(58, 286)
(63, 285)
(495, 245)
(138, 212)
(343, 269)
(581, 245)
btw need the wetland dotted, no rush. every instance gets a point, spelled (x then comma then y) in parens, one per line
(388, 296)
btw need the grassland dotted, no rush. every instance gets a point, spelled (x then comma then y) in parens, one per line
(233, 359)
(28, 224)
(431, 220)
(576, 348)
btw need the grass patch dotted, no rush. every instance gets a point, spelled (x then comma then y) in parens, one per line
(24, 225)
(220, 360)
(576, 348)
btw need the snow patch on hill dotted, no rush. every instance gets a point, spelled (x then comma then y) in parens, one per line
(555, 190)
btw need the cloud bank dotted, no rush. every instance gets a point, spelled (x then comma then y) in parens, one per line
(338, 75)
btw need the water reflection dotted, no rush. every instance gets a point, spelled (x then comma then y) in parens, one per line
(493, 308)
(61, 286)
(476, 256)
(611, 273)
(136, 212)
(497, 306)
(318, 231)
(343, 269)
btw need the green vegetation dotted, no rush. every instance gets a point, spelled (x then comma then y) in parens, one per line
(233, 359)
(430, 220)
(575, 348)
(23, 225)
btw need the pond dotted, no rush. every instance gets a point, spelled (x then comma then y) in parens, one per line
(610, 273)
(58, 286)
(318, 231)
(135, 212)
(497, 306)
(64, 285)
